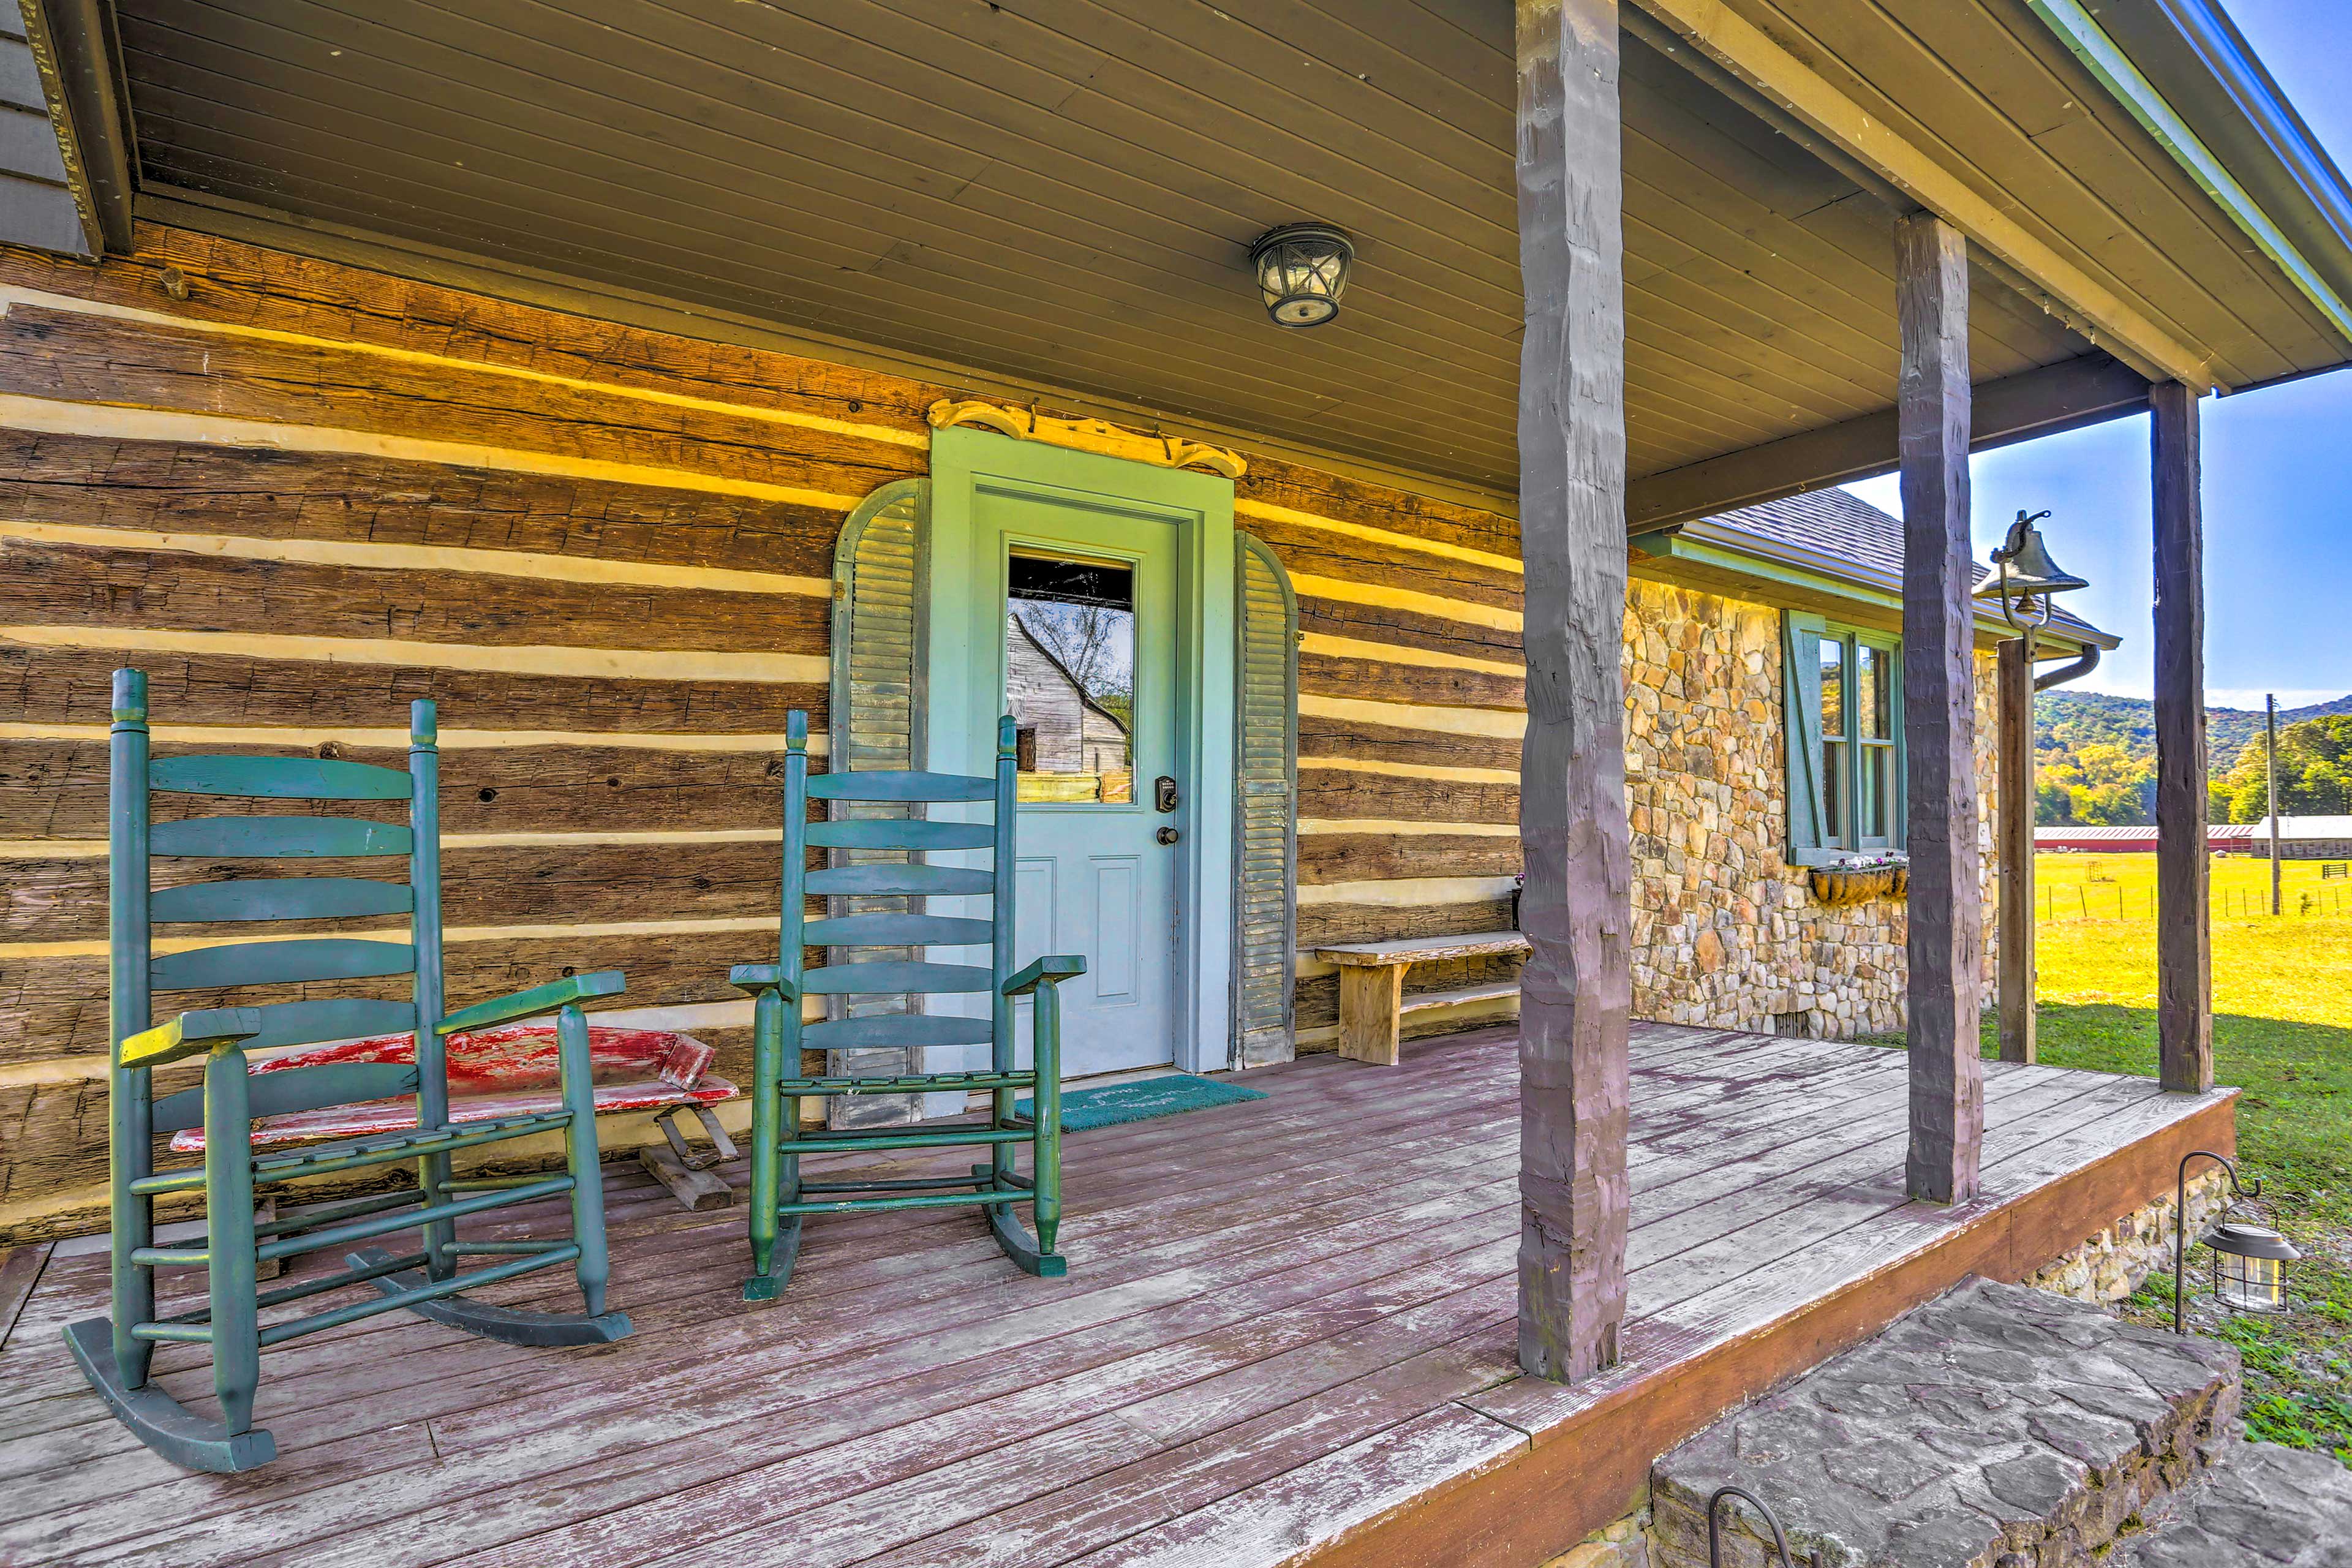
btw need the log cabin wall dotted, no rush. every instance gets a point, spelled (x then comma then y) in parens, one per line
(299, 494)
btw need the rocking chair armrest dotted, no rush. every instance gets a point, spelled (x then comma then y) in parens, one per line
(537, 1000)
(1045, 972)
(758, 977)
(189, 1035)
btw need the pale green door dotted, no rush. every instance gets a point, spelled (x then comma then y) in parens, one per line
(1083, 606)
(1024, 530)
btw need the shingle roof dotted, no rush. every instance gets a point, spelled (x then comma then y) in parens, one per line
(1837, 524)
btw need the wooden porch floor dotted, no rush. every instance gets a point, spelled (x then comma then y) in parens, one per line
(1286, 1333)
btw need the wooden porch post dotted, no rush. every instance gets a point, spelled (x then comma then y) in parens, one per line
(2019, 1041)
(1576, 990)
(1946, 946)
(2184, 1013)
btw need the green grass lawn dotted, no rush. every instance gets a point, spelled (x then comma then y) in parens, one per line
(2283, 1032)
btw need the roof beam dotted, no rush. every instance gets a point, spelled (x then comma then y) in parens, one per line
(2042, 402)
(2112, 321)
(81, 72)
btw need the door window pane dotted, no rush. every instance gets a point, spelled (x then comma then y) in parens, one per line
(1069, 678)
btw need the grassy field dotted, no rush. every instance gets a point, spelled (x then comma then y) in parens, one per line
(2283, 1032)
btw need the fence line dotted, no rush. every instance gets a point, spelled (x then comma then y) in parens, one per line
(2086, 901)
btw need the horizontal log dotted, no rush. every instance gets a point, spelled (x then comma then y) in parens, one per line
(65, 354)
(1325, 857)
(72, 685)
(70, 585)
(1342, 793)
(1320, 925)
(57, 789)
(1322, 552)
(64, 898)
(235, 282)
(1278, 483)
(1382, 623)
(1383, 680)
(1333, 738)
(56, 1006)
(170, 486)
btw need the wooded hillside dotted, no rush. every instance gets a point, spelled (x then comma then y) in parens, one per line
(2095, 757)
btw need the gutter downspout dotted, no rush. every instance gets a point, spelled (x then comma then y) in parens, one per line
(2081, 666)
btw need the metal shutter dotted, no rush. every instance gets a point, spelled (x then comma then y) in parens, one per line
(1265, 814)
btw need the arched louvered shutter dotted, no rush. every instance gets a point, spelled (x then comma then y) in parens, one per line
(1265, 808)
(879, 581)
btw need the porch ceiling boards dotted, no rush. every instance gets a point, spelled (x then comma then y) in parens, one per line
(1287, 1334)
(1062, 194)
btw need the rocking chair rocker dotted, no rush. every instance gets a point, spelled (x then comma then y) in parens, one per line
(114, 1352)
(781, 1197)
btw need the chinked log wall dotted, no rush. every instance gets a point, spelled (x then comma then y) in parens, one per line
(307, 493)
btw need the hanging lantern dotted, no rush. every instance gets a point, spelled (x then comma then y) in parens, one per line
(2249, 1260)
(2249, 1266)
(1302, 269)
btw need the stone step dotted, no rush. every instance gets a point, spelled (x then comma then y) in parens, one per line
(2263, 1506)
(1997, 1427)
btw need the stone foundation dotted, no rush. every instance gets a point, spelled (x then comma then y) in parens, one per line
(1726, 933)
(2114, 1263)
(1624, 1544)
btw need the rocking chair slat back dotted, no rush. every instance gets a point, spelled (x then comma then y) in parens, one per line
(292, 963)
(296, 1089)
(276, 778)
(884, 1030)
(917, 881)
(280, 898)
(901, 786)
(277, 838)
(900, 833)
(317, 1019)
(780, 1200)
(896, 930)
(874, 979)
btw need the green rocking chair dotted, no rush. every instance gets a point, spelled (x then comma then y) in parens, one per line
(115, 1352)
(780, 1196)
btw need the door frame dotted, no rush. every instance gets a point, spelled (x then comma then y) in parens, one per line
(967, 463)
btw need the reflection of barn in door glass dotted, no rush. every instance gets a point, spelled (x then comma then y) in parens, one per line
(1069, 677)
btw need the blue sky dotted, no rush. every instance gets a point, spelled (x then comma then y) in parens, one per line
(2278, 470)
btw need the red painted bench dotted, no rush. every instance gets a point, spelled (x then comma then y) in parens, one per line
(511, 1070)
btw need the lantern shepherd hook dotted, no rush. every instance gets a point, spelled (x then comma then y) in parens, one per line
(2180, 1223)
(1715, 1528)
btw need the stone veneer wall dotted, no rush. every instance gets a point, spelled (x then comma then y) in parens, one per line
(1726, 932)
(2113, 1262)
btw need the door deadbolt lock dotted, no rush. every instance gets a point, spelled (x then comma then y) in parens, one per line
(1163, 797)
(1166, 836)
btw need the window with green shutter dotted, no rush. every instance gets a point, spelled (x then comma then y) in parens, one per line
(1841, 692)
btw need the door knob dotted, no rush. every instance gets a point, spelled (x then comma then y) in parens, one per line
(1166, 836)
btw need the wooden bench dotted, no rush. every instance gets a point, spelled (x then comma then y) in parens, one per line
(1373, 1003)
(511, 1070)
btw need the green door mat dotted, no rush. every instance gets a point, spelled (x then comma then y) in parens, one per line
(1145, 1098)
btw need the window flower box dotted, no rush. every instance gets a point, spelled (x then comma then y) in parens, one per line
(1859, 880)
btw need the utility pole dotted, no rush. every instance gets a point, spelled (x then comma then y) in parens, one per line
(2270, 729)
